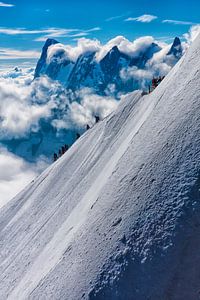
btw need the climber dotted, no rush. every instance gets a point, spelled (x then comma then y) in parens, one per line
(59, 153)
(154, 83)
(97, 119)
(87, 127)
(63, 150)
(78, 136)
(55, 157)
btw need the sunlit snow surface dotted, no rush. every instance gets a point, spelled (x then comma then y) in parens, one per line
(118, 216)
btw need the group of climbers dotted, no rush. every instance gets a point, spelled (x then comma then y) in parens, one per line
(155, 82)
(64, 148)
(61, 151)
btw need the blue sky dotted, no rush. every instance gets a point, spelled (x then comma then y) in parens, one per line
(24, 25)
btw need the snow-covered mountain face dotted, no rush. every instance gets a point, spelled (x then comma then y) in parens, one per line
(57, 68)
(117, 217)
(102, 75)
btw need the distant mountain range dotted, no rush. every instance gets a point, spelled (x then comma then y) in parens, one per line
(102, 76)
(87, 71)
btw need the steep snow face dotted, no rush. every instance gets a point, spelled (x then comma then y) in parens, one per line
(117, 217)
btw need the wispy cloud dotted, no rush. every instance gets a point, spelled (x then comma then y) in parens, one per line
(48, 32)
(176, 22)
(143, 19)
(117, 17)
(70, 33)
(114, 18)
(3, 4)
(8, 53)
(93, 29)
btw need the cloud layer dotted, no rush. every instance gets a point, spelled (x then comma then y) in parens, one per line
(15, 175)
(3, 4)
(49, 32)
(143, 19)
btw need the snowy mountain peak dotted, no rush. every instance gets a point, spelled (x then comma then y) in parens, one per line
(41, 65)
(176, 48)
(49, 42)
(99, 75)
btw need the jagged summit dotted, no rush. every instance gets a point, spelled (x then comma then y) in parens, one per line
(117, 217)
(86, 71)
(176, 48)
(40, 68)
(50, 42)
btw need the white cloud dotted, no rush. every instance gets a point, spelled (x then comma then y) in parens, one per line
(3, 4)
(117, 17)
(70, 33)
(24, 103)
(7, 53)
(192, 34)
(48, 32)
(114, 18)
(159, 65)
(17, 173)
(81, 113)
(83, 45)
(176, 22)
(143, 19)
(141, 76)
(125, 46)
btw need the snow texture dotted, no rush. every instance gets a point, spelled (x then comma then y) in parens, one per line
(118, 216)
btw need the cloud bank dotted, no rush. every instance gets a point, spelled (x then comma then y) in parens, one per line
(192, 34)
(15, 175)
(81, 113)
(24, 103)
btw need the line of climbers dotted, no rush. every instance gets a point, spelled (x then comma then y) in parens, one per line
(155, 82)
(64, 148)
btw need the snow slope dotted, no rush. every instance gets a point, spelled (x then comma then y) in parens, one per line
(118, 216)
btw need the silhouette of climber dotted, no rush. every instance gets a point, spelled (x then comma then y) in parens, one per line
(154, 83)
(66, 147)
(97, 119)
(78, 136)
(55, 157)
(59, 153)
(87, 127)
(63, 150)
